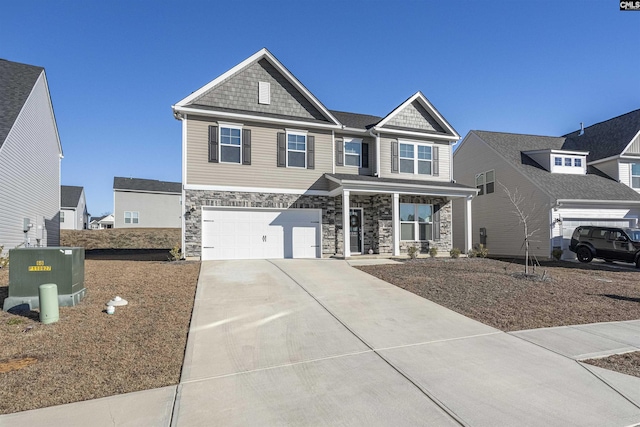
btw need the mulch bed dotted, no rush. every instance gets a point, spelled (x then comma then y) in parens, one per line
(495, 292)
(89, 354)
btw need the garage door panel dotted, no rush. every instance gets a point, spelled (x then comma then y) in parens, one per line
(260, 234)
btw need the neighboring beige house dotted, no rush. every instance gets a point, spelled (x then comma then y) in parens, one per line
(30, 155)
(101, 222)
(270, 172)
(560, 191)
(73, 208)
(146, 203)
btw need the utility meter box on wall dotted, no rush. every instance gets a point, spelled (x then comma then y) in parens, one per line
(31, 267)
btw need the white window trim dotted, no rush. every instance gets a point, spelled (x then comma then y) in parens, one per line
(132, 217)
(632, 176)
(416, 228)
(298, 133)
(220, 144)
(344, 151)
(415, 157)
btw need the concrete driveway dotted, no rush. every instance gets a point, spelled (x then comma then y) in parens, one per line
(317, 342)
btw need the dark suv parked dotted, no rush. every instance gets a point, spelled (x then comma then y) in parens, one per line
(608, 243)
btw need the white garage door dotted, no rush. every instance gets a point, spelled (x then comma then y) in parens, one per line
(570, 224)
(260, 233)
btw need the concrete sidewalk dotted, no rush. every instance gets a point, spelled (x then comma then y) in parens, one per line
(316, 342)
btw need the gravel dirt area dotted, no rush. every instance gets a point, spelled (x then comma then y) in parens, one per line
(486, 290)
(89, 354)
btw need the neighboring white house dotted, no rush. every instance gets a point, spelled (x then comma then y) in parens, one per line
(30, 156)
(73, 208)
(101, 222)
(559, 190)
(146, 203)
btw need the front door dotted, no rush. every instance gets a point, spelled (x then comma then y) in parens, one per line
(355, 230)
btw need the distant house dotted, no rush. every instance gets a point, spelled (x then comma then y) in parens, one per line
(146, 203)
(561, 190)
(30, 155)
(101, 222)
(73, 208)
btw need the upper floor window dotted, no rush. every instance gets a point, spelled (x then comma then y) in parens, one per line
(296, 150)
(557, 161)
(353, 152)
(61, 216)
(577, 163)
(415, 158)
(230, 144)
(131, 217)
(635, 175)
(567, 161)
(486, 182)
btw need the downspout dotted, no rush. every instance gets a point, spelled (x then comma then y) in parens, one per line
(377, 137)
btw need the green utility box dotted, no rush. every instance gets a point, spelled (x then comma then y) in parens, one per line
(31, 267)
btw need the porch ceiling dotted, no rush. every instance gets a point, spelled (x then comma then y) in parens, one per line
(363, 184)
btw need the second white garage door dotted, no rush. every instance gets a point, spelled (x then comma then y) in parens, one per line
(260, 233)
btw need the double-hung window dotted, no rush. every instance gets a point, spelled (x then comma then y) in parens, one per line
(296, 150)
(486, 182)
(230, 144)
(635, 175)
(130, 217)
(557, 161)
(416, 222)
(480, 183)
(415, 158)
(353, 152)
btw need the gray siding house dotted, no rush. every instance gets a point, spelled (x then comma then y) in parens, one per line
(30, 155)
(559, 187)
(146, 203)
(73, 208)
(270, 172)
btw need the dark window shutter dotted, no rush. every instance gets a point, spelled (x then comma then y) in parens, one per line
(365, 154)
(436, 222)
(282, 150)
(436, 161)
(246, 146)
(311, 152)
(394, 157)
(213, 144)
(339, 152)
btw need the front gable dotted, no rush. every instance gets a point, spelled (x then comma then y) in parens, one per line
(418, 115)
(259, 86)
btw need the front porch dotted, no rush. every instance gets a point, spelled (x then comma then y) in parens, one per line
(388, 216)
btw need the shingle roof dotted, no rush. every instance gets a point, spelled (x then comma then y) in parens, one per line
(146, 185)
(70, 196)
(605, 139)
(16, 82)
(591, 186)
(354, 120)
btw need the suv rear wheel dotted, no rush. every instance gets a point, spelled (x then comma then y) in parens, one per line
(584, 254)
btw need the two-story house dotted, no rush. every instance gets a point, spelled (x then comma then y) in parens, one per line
(30, 156)
(556, 186)
(73, 208)
(270, 172)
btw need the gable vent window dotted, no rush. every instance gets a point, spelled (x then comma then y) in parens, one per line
(264, 93)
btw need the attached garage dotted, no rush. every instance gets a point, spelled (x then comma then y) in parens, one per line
(260, 233)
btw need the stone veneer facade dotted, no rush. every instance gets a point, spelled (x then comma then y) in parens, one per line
(377, 217)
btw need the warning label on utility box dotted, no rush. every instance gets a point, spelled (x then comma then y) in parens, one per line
(39, 267)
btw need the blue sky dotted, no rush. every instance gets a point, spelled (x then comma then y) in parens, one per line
(116, 67)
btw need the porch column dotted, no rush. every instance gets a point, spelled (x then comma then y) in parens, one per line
(345, 224)
(468, 225)
(396, 224)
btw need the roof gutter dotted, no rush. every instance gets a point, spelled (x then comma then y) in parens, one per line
(562, 202)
